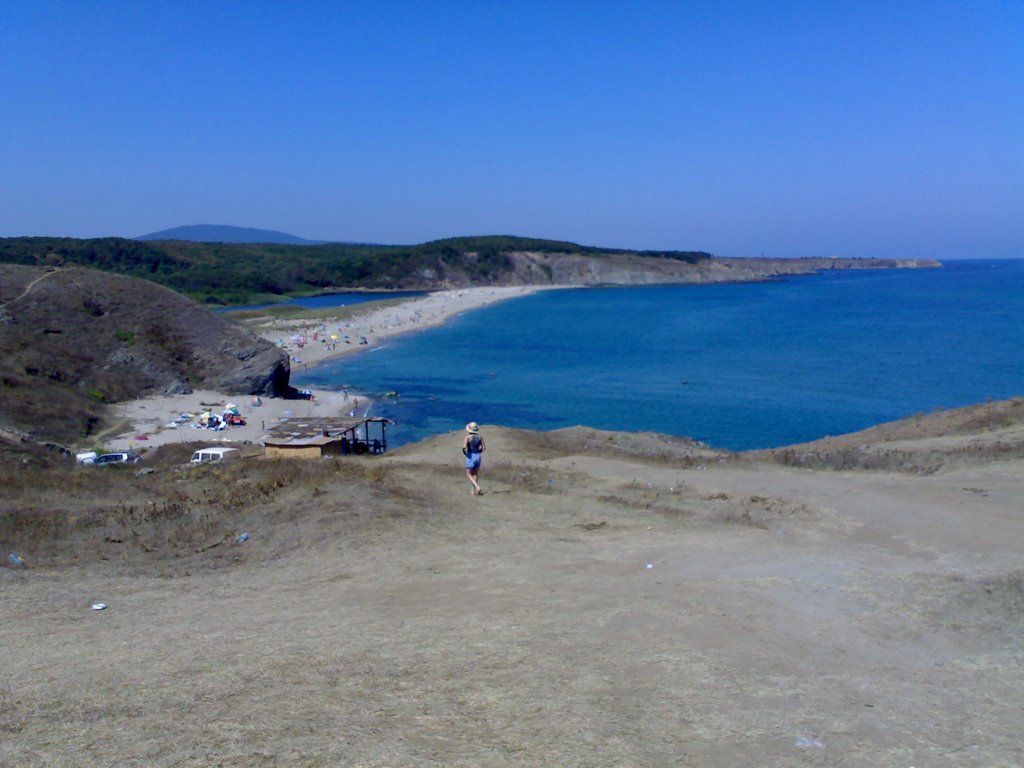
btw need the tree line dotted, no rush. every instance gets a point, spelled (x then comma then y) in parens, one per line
(241, 273)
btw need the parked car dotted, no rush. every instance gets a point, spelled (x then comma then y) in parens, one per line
(125, 457)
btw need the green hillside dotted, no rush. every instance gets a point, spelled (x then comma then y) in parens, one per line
(228, 273)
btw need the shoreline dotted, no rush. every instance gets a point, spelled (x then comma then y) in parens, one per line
(153, 420)
(310, 343)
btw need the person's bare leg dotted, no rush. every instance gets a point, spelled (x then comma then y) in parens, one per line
(471, 474)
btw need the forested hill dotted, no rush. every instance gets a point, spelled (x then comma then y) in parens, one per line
(223, 233)
(227, 273)
(249, 273)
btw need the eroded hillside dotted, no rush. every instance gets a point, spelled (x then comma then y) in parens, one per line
(73, 340)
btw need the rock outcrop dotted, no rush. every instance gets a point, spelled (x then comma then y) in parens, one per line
(73, 340)
(534, 268)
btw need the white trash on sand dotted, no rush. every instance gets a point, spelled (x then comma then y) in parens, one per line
(803, 741)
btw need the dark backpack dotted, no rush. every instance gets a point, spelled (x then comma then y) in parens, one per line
(474, 445)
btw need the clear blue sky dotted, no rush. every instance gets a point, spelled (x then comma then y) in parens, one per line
(881, 129)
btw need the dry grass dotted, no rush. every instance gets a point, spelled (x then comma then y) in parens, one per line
(67, 515)
(915, 462)
(921, 445)
(585, 610)
(709, 509)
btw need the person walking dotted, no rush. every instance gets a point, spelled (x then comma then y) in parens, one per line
(473, 448)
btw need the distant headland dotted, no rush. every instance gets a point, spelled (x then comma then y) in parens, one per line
(225, 273)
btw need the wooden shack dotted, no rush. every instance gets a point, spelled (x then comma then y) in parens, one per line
(312, 438)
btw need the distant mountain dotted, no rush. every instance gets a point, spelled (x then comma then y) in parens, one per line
(222, 233)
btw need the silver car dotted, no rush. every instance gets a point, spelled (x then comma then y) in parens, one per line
(118, 458)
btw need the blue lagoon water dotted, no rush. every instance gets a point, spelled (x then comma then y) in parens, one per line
(738, 366)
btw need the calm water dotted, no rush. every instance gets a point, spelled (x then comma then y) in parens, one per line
(737, 366)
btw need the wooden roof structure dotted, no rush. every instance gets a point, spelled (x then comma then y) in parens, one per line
(350, 435)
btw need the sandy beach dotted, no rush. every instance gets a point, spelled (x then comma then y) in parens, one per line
(309, 343)
(158, 420)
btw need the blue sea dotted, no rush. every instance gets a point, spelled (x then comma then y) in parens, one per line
(737, 366)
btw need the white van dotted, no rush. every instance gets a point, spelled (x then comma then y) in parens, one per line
(219, 453)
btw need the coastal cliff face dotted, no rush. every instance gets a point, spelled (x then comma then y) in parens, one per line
(74, 340)
(253, 273)
(635, 269)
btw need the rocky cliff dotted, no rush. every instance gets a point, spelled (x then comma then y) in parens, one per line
(531, 268)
